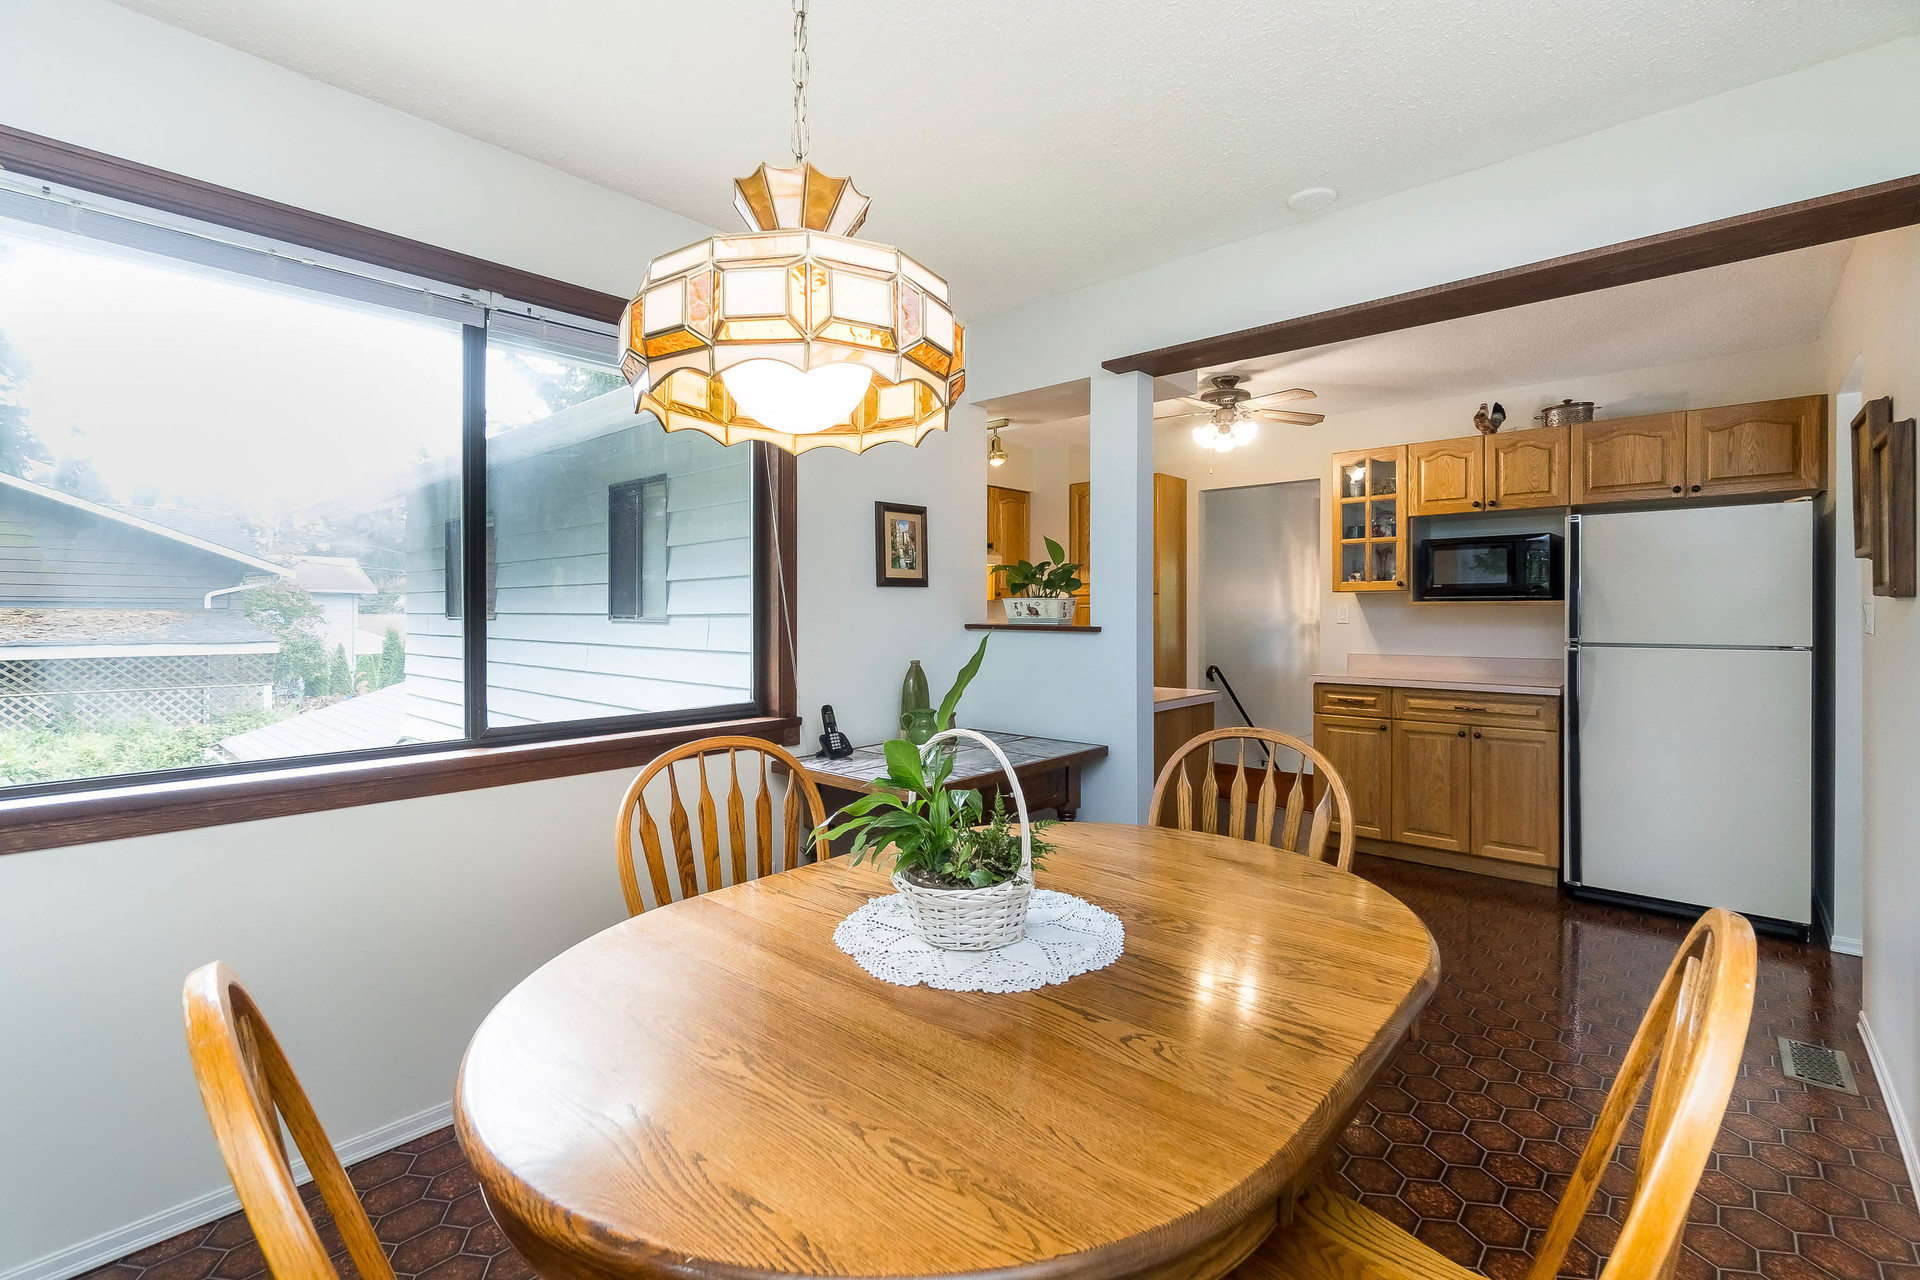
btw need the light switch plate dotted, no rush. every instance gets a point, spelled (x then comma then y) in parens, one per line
(1342, 614)
(1866, 614)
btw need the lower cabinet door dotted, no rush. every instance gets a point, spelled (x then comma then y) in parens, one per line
(1357, 746)
(1516, 795)
(1431, 799)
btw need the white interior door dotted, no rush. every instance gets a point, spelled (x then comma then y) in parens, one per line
(1712, 575)
(1696, 777)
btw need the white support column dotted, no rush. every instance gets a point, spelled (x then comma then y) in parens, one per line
(1120, 554)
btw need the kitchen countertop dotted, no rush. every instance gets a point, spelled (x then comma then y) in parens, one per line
(1534, 676)
(1450, 682)
(1167, 699)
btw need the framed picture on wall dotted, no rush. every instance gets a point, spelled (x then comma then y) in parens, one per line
(899, 545)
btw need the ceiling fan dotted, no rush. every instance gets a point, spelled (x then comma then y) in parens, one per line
(1230, 412)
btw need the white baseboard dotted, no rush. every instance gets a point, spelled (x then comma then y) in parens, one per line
(121, 1241)
(1902, 1131)
(1846, 946)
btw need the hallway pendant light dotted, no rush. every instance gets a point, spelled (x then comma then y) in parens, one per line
(996, 452)
(794, 332)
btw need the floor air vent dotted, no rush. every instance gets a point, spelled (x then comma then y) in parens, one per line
(1817, 1064)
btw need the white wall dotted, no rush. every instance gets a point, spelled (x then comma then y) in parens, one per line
(89, 73)
(1875, 322)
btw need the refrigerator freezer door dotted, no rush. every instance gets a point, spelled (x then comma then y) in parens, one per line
(1696, 777)
(1713, 575)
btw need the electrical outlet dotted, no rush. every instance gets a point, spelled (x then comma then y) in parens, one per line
(1866, 614)
(1343, 614)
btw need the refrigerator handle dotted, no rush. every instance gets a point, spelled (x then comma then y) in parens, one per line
(1571, 872)
(1573, 578)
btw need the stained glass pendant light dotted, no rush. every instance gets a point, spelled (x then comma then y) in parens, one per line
(794, 332)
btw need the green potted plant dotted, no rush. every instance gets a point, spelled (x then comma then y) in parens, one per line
(965, 873)
(1041, 592)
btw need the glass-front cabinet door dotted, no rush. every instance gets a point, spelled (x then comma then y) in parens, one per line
(1369, 531)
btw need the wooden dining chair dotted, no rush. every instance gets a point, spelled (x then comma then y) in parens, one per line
(801, 813)
(1333, 794)
(248, 1089)
(1694, 1030)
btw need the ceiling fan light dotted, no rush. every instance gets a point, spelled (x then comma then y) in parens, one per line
(777, 395)
(1244, 431)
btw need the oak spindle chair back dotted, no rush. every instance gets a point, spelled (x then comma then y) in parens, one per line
(1205, 810)
(249, 1088)
(801, 812)
(1689, 1045)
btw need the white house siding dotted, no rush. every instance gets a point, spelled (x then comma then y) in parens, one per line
(553, 653)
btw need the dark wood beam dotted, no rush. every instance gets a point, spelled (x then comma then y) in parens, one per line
(1842, 216)
(53, 161)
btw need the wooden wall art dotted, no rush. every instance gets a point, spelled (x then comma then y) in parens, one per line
(1883, 498)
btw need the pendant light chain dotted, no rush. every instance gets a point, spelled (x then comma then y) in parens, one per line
(802, 141)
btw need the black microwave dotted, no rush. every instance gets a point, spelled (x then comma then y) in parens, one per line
(1523, 566)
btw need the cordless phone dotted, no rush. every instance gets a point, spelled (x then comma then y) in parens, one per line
(833, 743)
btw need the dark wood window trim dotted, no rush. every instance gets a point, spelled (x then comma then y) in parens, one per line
(122, 808)
(1861, 211)
(53, 161)
(32, 823)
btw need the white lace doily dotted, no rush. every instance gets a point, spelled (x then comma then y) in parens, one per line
(1065, 936)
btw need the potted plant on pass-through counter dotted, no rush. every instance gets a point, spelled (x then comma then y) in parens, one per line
(965, 873)
(1041, 592)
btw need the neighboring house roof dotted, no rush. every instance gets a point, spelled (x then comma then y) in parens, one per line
(341, 574)
(114, 633)
(127, 516)
(376, 719)
(221, 528)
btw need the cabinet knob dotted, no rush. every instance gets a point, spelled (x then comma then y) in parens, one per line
(1493, 502)
(1696, 488)
(1383, 728)
(1476, 733)
(1676, 488)
(1463, 733)
(1476, 503)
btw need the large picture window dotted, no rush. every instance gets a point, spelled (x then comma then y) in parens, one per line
(240, 487)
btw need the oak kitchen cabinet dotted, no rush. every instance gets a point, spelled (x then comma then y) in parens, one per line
(1770, 447)
(1369, 536)
(1461, 777)
(1511, 470)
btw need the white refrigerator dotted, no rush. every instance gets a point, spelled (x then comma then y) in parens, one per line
(1690, 706)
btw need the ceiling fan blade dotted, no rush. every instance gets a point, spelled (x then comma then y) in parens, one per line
(1295, 419)
(1280, 397)
(1183, 417)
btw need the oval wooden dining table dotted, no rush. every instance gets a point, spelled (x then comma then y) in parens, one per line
(712, 1089)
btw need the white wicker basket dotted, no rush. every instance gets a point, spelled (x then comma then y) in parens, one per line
(975, 919)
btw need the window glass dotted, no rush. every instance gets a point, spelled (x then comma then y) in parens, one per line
(221, 513)
(603, 520)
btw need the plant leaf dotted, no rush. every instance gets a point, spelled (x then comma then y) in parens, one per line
(1055, 551)
(944, 721)
(903, 762)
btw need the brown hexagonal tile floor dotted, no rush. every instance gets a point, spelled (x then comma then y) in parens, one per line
(1468, 1140)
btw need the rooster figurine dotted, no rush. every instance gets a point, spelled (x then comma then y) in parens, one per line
(1488, 423)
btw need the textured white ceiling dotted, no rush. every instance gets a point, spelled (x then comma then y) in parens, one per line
(1779, 301)
(1026, 147)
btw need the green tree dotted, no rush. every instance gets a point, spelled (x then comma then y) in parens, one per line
(561, 383)
(393, 658)
(19, 446)
(77, 477)
(291, 614)
(340, 676)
